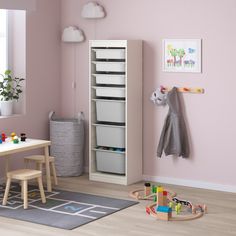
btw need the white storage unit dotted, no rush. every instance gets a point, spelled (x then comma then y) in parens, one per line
(115, 112)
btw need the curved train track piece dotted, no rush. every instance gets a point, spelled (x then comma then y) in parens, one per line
(138, 194)
(151, 211)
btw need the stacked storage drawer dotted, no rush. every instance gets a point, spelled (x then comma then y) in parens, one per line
(109, 94)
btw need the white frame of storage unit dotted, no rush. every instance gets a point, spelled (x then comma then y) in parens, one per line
(115, 70)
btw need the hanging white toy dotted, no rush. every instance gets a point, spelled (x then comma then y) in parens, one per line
(159, 97)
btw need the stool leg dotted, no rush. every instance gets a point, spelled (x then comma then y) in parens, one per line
(39, 166)
(4, 202)
(54, 173)
(7, 164)
(26, 162)
(22, 190)
(40, 183)
(25, 186)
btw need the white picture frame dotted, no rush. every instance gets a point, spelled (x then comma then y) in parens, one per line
(182, 55)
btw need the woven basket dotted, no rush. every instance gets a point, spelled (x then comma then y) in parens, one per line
(67, 137)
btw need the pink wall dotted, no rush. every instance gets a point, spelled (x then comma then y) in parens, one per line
(43, 72)
(210, 117)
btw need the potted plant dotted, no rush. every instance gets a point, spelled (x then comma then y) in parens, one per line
(10, 90)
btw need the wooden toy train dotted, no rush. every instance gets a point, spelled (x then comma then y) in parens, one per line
(166, 206)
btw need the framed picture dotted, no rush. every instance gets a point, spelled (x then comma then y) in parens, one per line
(182, 55)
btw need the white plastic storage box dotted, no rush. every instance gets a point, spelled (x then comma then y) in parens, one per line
(109, 92)
(110, 162)
(109, 53)
(110, 136)
(107, 66)
(110, 110)
(109, 79)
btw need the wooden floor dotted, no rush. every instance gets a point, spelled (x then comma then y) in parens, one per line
(220, 221)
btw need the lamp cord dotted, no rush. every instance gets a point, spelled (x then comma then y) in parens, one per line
(74, 82)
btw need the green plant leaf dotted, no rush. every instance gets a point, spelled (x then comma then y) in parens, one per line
(7, 72)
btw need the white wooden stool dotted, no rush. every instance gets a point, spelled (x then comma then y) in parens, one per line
(40, 161)
(24, 175)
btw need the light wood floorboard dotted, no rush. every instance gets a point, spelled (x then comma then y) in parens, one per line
(220, 221)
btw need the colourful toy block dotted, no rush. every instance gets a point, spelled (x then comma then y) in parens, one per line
(154, 189)
(164, 209)
(160, 201)
(147, 189)
(160, 189)
(164, 215)
(164, 198)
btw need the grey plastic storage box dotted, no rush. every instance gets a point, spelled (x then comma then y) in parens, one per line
(67, 137)
(109, 79)
(110, 135)
(113, 162)
(109, 92)
(110, 53)
(110, 110)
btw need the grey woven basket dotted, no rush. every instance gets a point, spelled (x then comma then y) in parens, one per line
(67, 137)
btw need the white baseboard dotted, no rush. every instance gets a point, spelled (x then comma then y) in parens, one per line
(191, 183)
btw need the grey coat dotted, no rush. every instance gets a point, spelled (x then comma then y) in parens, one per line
(174, 138)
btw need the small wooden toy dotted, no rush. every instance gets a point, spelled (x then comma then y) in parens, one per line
(22, 137)
(13, 134)
(178, 208)
(3, 137)
(15, 139)
(164, 212)
(147, 189)
(171, 204)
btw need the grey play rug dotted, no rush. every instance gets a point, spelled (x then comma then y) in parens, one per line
(64, 209)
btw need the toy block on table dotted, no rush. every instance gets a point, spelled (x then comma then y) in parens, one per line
(22, 137)
(3, 137)
(15, 139)
(13, 134)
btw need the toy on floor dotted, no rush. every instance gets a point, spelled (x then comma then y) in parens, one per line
(149, 194)
(167, 206)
